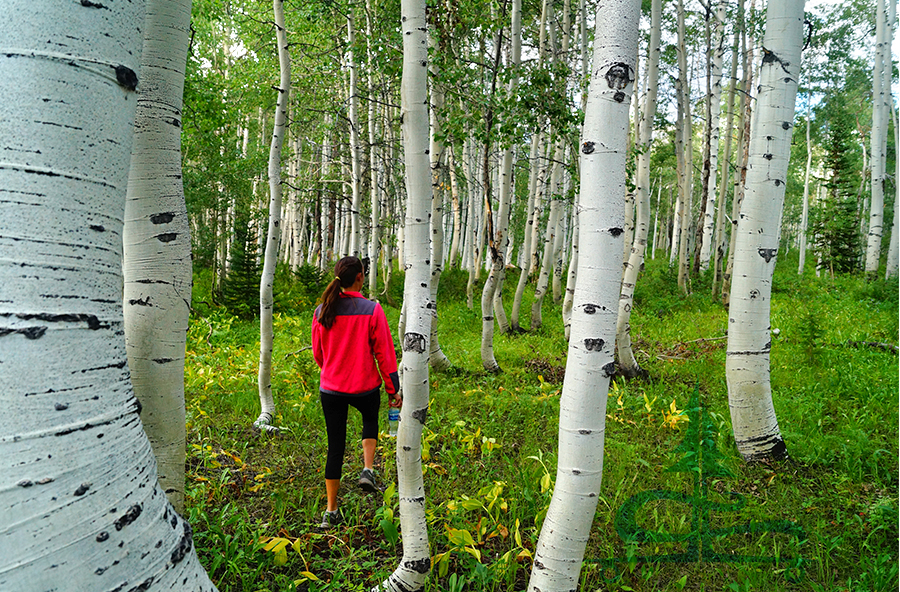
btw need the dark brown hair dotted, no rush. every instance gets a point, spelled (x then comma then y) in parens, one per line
(345, 272)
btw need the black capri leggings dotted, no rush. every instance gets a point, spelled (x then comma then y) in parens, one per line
(335, 409)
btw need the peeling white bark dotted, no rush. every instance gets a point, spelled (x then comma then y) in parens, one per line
(747, 368)
(582, 421)
(80, 504)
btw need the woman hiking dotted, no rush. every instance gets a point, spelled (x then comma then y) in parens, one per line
(349, 335)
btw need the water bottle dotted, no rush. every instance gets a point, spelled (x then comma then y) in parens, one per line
(393, 421)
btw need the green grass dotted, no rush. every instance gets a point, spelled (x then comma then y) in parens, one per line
(490, 448)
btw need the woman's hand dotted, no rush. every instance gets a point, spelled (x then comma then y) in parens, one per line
(396, 400)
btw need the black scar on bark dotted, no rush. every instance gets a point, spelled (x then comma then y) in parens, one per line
(33, 332)
(167, 237)
(60, 406)
(89, 4)
(778, 451)
(618, 76)
(128, 517)
(184, 544)
(97, 227)
(163, 218)
(593, 345)
(590, 308)
(610, 369)
(126, 78)
(103, 536)
(139, 302)
(767, 254)
(82, 489)
(414, 342)
(785, 125)
(615, 232)
(422, 566)
(421, 415)
(587, 147)
(93, 322)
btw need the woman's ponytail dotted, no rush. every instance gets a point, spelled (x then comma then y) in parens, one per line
(345, 272)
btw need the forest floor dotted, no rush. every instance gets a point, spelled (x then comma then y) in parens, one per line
(826, 519)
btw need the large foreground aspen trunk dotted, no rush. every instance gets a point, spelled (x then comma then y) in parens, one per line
(415, 564)
(582, 419)
(80, 505)
(747, 367)
(157, 243)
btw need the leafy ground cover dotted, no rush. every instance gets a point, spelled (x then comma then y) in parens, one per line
(678, 508)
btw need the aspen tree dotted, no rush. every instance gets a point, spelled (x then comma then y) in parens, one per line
(687, 183)
(415, 565)
(892, 257)
(747, 368)
(628, 365)
(719, 237)
(880, 113)
(589, 366)
(494, 283)
(374, 184)
(437, 154)
(157, 243)
(711, 166)
(746, 115)
(82, 508)
(273, 237)
(805, 217)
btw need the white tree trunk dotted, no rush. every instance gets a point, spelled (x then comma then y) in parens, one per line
(628, 365)
(560, 549)
(531, 210)
(892, 258)
(544, 275)
(746, 111)
(375, 189)
(80, 503)
(709, 216)
(571, 278)
(747, 368)
(805, 218)
(436, 356)
(273, 237)
(686, 193)
(720, 233)
(453, 259)
(415, 564)
(491, 300)
(157, 244)
(355, 168)
(880, 112)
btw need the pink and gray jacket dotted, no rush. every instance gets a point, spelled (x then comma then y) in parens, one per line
(347, 352)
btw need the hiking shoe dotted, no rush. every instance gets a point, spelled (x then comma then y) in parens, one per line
(367, 481)
(330, 519)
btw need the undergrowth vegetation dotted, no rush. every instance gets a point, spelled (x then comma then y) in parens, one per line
(826, 519)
